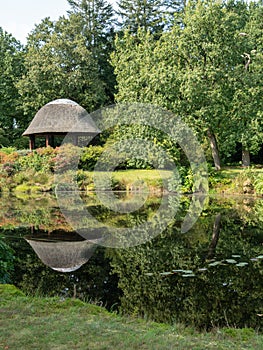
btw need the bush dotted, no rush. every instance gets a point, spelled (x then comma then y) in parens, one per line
(89, 157)
(66, 158)
(41, 160)
(83, 179)
(8, 156)
(8, 150)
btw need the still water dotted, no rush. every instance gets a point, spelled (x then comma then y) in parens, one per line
(211, 275)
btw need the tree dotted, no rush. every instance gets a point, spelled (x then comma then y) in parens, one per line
(11, 67)
(59, 65)
(154, 16)
(247, 103)
(97, 27)
(191, 70)
(144, 14)
(132, 59)
(208, 52)
(97, 16)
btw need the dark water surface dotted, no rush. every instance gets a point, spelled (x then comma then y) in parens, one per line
(211, 275)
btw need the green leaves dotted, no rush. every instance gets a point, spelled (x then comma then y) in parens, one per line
(11, 67)
(59, 64)
(197, 70)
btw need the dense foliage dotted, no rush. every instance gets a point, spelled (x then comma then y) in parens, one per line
(202, 60)
(206, 69)
(193, 278)
(6, 261)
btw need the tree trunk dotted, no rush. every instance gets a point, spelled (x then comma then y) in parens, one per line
(214, 149)
(215, 237)
(245, 157)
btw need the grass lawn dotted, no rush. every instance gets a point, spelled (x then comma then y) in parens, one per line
(230, 180)
(50, 323)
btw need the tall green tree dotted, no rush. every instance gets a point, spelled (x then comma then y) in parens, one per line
(132, 61)
(149, 15)
(11, 67)
(59, 65)
(208, 50)
(192, 70)
(144, 14)
(247, 103)
(97, 27)
(97, 16)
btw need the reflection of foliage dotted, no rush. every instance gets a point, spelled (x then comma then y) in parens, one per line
(92, 282)
(6, 262)
(171, 279)
(175, 276)
(39, 211)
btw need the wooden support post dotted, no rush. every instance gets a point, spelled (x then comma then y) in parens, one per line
(47, 140)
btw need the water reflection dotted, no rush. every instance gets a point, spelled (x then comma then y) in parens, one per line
(210, 276)
(62, 255)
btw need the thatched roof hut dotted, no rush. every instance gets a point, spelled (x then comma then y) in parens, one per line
(62, 256)
(60, 117)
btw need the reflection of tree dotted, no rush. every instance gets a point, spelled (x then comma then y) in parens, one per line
(6, 261)
(215, 236)
(197, 277)
(170, 278)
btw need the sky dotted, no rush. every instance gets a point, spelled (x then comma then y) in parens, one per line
(18, 17)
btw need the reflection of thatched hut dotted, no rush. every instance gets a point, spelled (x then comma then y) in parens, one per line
(62, 256)
(58, 118)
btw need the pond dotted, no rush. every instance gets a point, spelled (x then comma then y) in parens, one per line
(137, 259)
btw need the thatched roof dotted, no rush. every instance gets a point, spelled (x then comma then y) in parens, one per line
(60, 117)
(63, 256)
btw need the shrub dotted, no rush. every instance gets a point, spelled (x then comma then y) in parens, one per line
(89, 157)
(6, 157)
(41, 159)
(66, 158)
(9, 168)
(83, 179)
(8, 150)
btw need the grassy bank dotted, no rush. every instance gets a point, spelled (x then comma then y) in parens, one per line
(50, 323)
(24, 171)
(227, 181)
(237, 180)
